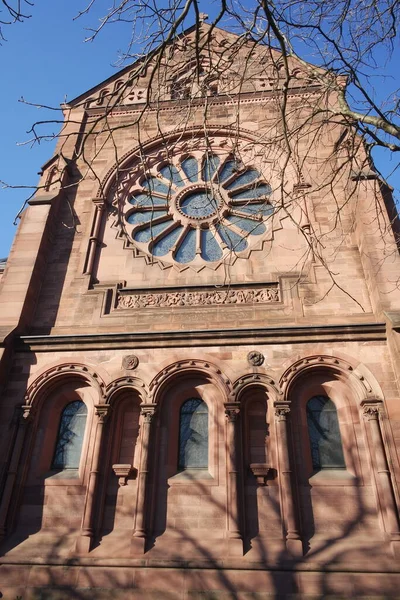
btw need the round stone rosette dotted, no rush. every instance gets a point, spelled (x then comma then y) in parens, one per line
(197, 209)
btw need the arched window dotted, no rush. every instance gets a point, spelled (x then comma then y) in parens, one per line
(193, 435)
(70, 436)
(323, 429)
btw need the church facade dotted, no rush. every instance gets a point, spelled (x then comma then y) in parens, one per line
(200, 355)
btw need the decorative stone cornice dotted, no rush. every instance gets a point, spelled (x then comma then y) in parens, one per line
(219, 336)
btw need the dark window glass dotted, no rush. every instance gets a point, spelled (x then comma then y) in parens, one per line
(193, 435)
(323, 429)
(70, 436)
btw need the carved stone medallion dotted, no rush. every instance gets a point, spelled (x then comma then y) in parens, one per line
(130, 362)
(255, 358)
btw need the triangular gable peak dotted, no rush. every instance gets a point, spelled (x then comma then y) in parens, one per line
(201, 62)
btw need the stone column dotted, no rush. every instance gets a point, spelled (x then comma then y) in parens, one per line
(87, 529)
(22, 425)
(232, 412)
(293, 540)
(94, 235)
(147, 416)
(382, 473)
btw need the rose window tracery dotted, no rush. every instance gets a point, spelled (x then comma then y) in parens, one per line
(198, 208)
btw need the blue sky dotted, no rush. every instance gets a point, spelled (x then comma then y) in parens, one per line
(45, 60)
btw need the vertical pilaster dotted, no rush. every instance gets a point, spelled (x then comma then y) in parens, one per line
(371, 411)
(94, 235)
(293, 540)
(147, 414)
(22, 426)
(232, 412)
(87, 528)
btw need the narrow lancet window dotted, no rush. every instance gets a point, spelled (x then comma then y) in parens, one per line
(324, 433)
(70, 436)
(193, 435)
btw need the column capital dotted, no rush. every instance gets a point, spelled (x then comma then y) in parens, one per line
(371, 409)
(282, 410)
(148, 412)
(27, 413)
(232, 411)
(102, 411)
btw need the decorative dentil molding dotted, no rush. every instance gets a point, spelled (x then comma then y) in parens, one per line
(250, 380)
(186, 366)
(65, 370)
(356, 374)
(266, 295)
(125, 383)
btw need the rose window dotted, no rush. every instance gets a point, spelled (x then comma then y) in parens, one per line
(199, 209)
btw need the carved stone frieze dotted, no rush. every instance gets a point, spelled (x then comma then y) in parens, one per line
(265, 295)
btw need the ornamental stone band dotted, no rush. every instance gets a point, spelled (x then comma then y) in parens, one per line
(266, 295)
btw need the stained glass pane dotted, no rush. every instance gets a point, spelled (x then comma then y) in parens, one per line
(258, 191)
(70, 436)
(171, 173)
(229, 168)
(193, 435)
(155, 185)
(191, 168)
(252, 227)
(232, 240)
(199, 204)
(324, 432)
(164, 245)
(210, 165)
(142, 217)
(150, 232)
(141, 200)
(247, 177)
(187, 250)
(210, 249)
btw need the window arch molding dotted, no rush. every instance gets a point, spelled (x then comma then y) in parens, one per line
(327, 383)
(193, 385)
(48, 418)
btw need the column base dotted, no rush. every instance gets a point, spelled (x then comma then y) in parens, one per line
(235, 547)
(295, 547)
(83, 544)
(395, 547)
(138, 546)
